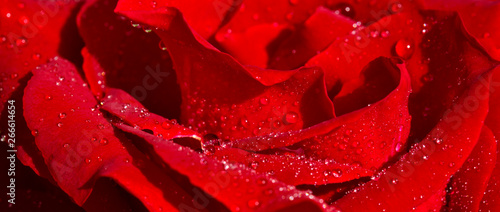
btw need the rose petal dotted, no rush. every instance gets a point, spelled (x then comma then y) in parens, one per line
(368, 137)
(323, 27)
(454, 62)
(491, 196)
(124, 106)
(480, 20)
(94, 73)
(258, 16)
(80, 146)
(219, 95)
(238, 187)
(292, 169)
(204, 16)
(251, 46)
(345, 58)
(131, 58)
(469, 183)
(434, 203)
(430, 162)
(30, 34)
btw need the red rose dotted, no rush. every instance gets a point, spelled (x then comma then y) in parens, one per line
(282, 105)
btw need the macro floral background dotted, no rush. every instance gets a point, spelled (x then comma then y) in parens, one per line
(252, 105)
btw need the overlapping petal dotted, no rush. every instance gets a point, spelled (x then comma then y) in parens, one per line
(430, 162)
(80, 146)
(223, 98)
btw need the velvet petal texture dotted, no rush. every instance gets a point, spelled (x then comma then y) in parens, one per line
(80, 146)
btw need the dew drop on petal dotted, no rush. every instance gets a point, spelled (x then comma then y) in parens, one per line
(254, 164)
(103, 141)
(398, 146)
(385, 33)
(253, 203)
(162, 46)
(166, 125)
(48, 97)
(60, 124)
(404, 48)
(264, 101)
(34, 132)
(396, 7)
(345, 9)
(21, 42)
(23, 20)
(261, 182)
(395, 181)
(62, 115)
(337, 173)
(291, 117)
(36, 56)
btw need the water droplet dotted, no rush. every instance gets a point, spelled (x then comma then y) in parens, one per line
(337, 173)
(253, 203)
(48, 97)
(21, 41)
(135, 25)
(245, 123)
(14, 75)
(264, 101)
(439, 140)
(23, 20)
(374, 33)
(34, 132)
(344, 9)
(103, 141)
(291, 117)
(404, 48)
(166, 125)
(162, 46)
(60, 124)
(395, 181)
(261, 182)
(398, 146)
(254, 164)
(153, 4)
(65, 145)
(62, 115)
(87, 161)
(36, 56)
(385, 34)
(146, 29)
(203, 161)
(396, 7)
(428, 77)
(277, 124)
(451, 165)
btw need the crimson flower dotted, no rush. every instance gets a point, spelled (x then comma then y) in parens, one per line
(250, 105)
